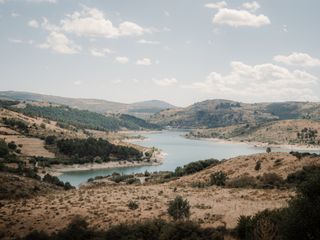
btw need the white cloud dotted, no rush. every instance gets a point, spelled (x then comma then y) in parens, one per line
(298, 59)
(265, 82)
(77, 83)
(165, 82)
(144, 62)
(18, 41)
(239, 18)
(59, 43)
(143, 41)
(42, 1)
(14, 14)
(251, 6)
(122, 60)
(33, 23)
(217, 5)
(100, 52)
(91, 22)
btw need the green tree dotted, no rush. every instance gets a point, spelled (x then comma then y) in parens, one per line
(179, 208)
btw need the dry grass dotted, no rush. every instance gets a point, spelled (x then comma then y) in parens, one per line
(103, 205)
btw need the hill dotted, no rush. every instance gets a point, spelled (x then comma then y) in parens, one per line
(96, 105)
(211, 205)
(296, 131)
(221, 113)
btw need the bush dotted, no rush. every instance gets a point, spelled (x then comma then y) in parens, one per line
(49, 140)
(258, 166)
(271, 180)
(268, 150)
(242, 182)
(4, 150)
(179, 209)
(12, 145)
(218, 178)
(132, 205)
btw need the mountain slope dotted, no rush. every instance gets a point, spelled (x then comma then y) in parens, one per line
(95, 105)
(221, 113)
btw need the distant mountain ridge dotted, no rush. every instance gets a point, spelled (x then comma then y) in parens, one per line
(140, 109)
(221, 113)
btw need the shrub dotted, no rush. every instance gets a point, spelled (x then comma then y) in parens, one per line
(268, 150)
(49, 140)
(258, 166)
(4, 150)
(132, 205)
(271, 180)
(218, 178)
(179, 209)
(244, 227)
(242, 182)
(12, 145)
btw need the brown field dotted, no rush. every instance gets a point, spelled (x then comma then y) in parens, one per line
(103, 204)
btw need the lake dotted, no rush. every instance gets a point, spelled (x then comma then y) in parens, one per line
(178, 152)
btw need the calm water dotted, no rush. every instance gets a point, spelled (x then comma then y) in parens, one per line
(178, 152)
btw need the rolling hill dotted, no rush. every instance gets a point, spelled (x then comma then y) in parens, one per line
(139, 109)
(221, 113)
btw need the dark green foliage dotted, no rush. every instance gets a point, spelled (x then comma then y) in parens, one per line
(302, 218)
(132, 205)
(218, 178)
(49, 140)
(284, 110)
(15, 123)
(258, 166)
(135, 123)
(85, 119)
(299, 221)
(156, 229)
(179, 208)
(268, 150)
(4, 150)
(194, 167)
(301, 155)
(91, 148)
(12, 145)
(7, 103)
(301, 176)
(55, 181)
(244, 227)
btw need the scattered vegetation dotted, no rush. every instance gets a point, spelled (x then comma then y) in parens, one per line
(84, 119)
(156, 229)
(299, 221)
(132, 205)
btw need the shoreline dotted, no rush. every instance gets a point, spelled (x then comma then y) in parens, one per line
(293, 147)
(57, 170)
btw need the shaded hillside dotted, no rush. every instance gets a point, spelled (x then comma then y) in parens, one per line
(84, 119)
(220, 113)
(96, 105)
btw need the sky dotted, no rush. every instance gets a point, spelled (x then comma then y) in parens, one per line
(179, 51)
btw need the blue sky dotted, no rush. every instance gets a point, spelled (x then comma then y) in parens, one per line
(180, 51)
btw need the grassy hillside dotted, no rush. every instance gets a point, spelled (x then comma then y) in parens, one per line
(221, 113)
(85, 119)
(141, 109)
(297, 131)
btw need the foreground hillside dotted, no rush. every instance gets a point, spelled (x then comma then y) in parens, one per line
(104, 204)
(302, 132)
(221, 113)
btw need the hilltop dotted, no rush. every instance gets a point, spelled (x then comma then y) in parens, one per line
(221, 113)
(140, 109)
